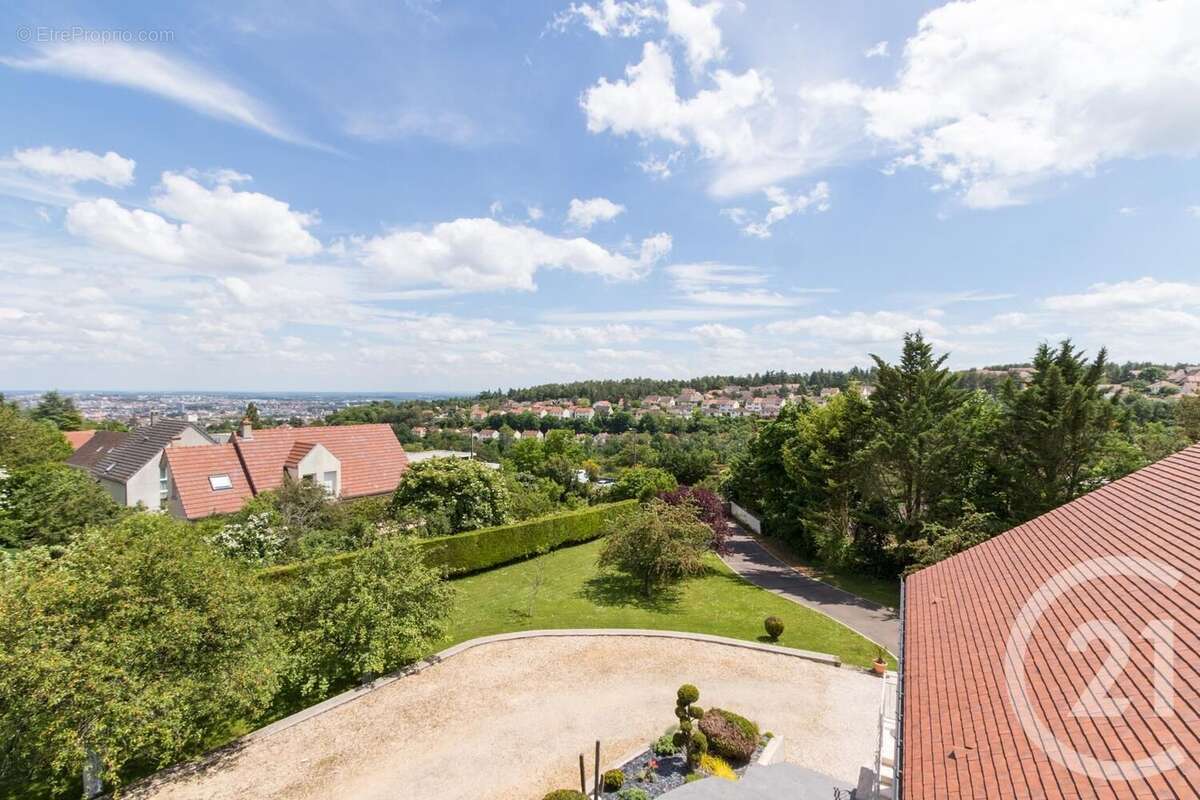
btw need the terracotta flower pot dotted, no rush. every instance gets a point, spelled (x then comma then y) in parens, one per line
(880, 667)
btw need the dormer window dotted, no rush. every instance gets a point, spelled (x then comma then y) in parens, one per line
(220, 482)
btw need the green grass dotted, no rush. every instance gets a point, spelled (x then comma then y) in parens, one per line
(575, 594)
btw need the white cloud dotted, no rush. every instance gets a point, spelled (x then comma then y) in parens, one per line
(660, 167)
(624, 18)
(645, 104)
(713, 284)
(783, 205)
(1144, 292)
(1127, 211)
(219, 227)
(1194, 211)
(696, 27)
(857, 327)
(583, 214)
(691, 277)
(483, 254)
(440, 126)
(149, 71)
(716, 333)
(72, 166)
(877, 50)
(534, 213)
(998, 96)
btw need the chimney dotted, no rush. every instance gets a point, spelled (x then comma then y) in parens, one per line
(247, 428)
(153, 416)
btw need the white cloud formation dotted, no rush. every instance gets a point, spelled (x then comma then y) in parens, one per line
(583, 214)
(153, 72)
(877, 50)
(218, 228)
(71, 166)
(483, 254)
(713, 284)
(624, 18)
(1194, 211)
(783, 205)
(998, 96)
(696, 27)
(716, 333)
(1141, 293)
(857, 327)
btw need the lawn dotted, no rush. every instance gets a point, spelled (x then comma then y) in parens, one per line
(573, 593)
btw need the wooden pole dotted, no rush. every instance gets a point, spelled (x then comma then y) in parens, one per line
(582, 777)
(597, 795)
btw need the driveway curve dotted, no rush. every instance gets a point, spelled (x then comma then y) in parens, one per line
(748, 558)
(507, 720)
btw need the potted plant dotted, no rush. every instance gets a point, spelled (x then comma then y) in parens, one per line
(879, 665)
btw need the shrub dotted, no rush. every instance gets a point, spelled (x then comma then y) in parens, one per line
(717, 767)
(729, 735)
(695, 712)
(613, 779)
(469, 494)
(50, 504)
(774, 626)
(642, 483)
(694, 741)
(473, 551)
(665, 745)
(698, 747)
(657, 544)
(565, 794)
(708, 507)
(687, 694)
(633, 793)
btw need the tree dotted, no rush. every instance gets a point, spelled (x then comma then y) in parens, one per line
(59, 411)
(24, 441)
(253, 415)
(1054, 429)
(911, 406)
(139, 644)
(363, 616)
(50, 504)
(467, 493)
(1188, 414)
(642, 483)
(658, 544)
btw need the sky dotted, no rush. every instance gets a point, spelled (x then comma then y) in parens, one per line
(457, 195)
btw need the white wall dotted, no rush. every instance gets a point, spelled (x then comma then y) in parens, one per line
(317, 462)
(745, 517)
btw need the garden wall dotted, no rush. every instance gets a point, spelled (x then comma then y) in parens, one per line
(745, 517)
(474, 551)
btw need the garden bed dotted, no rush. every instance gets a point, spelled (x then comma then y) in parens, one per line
(667, 772)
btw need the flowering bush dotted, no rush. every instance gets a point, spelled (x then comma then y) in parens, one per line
(258, 540)
(709, 508)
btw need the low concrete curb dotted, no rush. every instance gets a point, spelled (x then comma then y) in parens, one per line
(771, 753)
(450, 652)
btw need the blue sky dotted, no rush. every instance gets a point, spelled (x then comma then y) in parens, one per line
(464, 195)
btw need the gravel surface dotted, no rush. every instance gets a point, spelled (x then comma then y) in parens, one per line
(508, 720)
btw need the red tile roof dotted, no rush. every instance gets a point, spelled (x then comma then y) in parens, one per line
(191, 467)
(962, 734)
(78, 438)
(372, 459)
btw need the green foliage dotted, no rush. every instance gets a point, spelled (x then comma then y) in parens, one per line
(665, 745)
(940, 542)
(24, 441)
(362, 617)
(58, 411)
(697, 747)
(687, 694)
(565, 794)
(686, 738)
(50, 504)
(642, 483)
(774, 627)
(467, 493)
(139, 643)
(729, 735)
(657, 544)
(633, 793)
(613, 780)
(1188, 413)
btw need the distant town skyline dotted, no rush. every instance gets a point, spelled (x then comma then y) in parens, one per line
(447, 198)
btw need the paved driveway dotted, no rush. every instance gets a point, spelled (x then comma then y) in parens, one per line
(753, 562)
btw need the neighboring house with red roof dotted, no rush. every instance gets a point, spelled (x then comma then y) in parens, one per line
(78, 438)
(1060, 659)
(348, 460)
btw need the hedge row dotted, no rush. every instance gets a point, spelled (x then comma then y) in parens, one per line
(473, 551)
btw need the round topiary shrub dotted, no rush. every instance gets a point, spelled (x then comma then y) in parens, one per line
(698, 748)
(730, 736)
(613, 779)
(774, 626)
(687, 694)
(565, 794)
(695, 712)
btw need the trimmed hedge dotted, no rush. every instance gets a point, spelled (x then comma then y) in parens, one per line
(477, 550)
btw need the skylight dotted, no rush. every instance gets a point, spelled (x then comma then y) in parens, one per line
(219, 482)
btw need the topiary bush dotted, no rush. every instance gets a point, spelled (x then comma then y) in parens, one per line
(633, 793)
(730, 736)
(565, 794)
(697, 747)
(774, 626)
(613, 779)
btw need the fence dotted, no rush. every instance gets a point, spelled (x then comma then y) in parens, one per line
(745, 517)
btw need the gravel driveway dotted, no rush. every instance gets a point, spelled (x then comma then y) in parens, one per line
(509, 719)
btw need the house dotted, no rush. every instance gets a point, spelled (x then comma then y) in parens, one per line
(602, 407)
(478, 414)
(532, 435)
(419, 432)
(348, 460)
(128, 465)
(1060, 659)
(582, 412)
(486, 435)
(78, 438)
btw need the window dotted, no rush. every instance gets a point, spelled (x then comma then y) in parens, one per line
(329, 480)
(162, 482)
(219, 482)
